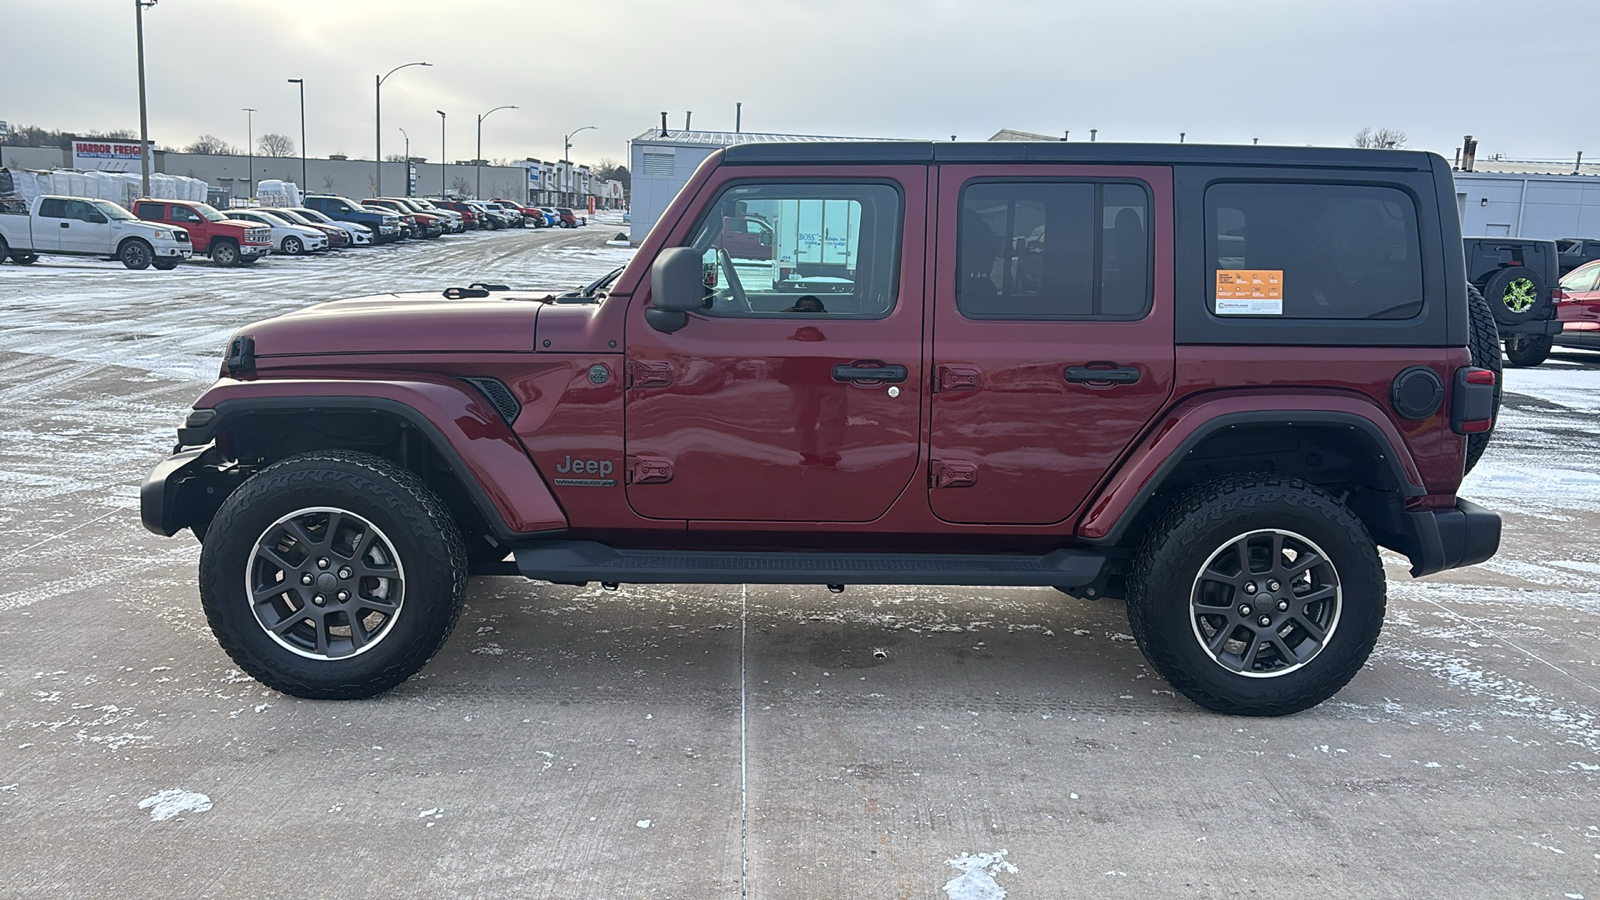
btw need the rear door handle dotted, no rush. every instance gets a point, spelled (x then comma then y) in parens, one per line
(869, 372)
(1098, 375)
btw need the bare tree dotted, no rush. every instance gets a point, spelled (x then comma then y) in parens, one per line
(211, 145)
(274, 144)
(1379, 139)
(461, 185)
(327, 183)
(394, 157)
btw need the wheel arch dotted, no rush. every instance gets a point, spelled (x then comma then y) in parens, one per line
(134, 237)
(1331, 442)
(442, 430)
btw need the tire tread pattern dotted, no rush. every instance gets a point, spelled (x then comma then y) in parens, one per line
(1484, 336)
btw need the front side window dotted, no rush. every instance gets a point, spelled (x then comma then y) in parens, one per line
(1053, 250)
(1312, 251)
(798, 249)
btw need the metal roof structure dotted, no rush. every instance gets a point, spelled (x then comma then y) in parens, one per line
(731, 138)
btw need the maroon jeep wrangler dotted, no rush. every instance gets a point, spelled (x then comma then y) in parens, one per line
(1210, 381)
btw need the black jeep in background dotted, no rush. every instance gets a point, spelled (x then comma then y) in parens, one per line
(1518, 277)
(1577, 251)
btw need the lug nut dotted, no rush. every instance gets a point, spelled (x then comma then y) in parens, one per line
(1244, 609)
(1272, 585)
(1250, 587)
(344, 571)
(1265, 621)
(343, 596)
(1283, 606)
(322, 563)
(306, 578)
(319, 599)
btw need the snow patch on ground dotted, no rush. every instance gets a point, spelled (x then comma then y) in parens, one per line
(174, 802)
(976, 881)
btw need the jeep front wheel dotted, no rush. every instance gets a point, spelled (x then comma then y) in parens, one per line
(332, 575)
(1257, 595)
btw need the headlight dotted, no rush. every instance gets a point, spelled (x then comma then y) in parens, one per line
(161, 235)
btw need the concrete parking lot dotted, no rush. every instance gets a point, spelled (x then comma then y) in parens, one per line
(768, 742)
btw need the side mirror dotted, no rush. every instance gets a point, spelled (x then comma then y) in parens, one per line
(95, 218)
(676, 288)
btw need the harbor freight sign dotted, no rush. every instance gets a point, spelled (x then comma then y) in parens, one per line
(106, 156)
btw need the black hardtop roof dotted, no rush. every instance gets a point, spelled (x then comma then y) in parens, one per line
(1078, 152)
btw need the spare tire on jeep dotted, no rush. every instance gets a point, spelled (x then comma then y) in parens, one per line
(1517, 294)
(1484, 342)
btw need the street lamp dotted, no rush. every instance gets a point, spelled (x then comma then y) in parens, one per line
(302, 83)
(566, 143)
(477, 161)
(443, 166)
(249, 146)
(377, 95)
(139, 6)
(408, 161)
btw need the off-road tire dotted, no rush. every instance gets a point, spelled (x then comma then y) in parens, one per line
(1485, 346)
(136, 254)
(1522, 284)
(1210, 516)
(5, 251)
(1528, 350)
(225, 253)
(425, 541)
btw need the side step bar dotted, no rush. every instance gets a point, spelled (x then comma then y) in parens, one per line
(574, 562)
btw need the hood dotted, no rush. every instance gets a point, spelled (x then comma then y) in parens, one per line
(404, 323)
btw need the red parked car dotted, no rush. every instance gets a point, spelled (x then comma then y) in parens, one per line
(1207, 381)
(1578, 307)
(470, 216)
(530, 214)
(337, 237)
(229, 242)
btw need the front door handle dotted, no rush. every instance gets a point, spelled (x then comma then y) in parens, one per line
(1101, 373)
(864, 371)
(66, 225)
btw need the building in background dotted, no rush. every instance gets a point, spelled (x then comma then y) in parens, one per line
(661, 162)
(1532, 200)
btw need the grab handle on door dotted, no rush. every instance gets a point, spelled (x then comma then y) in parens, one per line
(866, 371)
(1095, 374)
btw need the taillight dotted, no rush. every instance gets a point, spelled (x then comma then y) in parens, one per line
(1557, 295)
(1472, 409)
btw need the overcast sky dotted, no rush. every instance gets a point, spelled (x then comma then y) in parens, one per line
(1517, 75)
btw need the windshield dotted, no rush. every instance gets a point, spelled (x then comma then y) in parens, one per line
(209, 212)
(315, 216)
(113, 212)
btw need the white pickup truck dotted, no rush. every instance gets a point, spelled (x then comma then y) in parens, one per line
(79, 226)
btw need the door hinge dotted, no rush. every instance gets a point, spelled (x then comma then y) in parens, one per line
(649, 373)
(649, 470)
(952, 473)
(956, 378)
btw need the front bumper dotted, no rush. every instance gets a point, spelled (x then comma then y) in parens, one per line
(1439, 539)
(174, 251)
(185, 490)
(255, 251)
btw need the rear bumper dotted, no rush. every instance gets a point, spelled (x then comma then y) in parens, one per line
(1551, 326)
(1439, 539)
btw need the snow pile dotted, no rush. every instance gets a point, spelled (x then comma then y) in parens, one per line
(173, 802)
(976, 881)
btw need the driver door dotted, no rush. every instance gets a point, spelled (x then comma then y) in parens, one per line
(89, 230)
(795, 393)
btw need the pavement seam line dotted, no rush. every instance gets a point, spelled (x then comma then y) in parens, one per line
(1529, 653)
(52, 537)
(744, 801)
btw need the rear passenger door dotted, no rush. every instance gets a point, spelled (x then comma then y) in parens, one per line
(1052, 334)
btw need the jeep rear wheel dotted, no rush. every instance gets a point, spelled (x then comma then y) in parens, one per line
(1485, 347)
(1257, 595)
(332, 575)
(1528, 350)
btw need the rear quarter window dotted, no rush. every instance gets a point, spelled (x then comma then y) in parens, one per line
(1312, 251)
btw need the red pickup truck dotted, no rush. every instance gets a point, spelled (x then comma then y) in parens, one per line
(229, 242)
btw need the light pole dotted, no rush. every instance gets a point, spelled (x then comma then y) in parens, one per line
(408, 161)
(377, 96)
(444, 167)
(566, 147)
(302, 83)
(477, 161)
(249, 145)
(139, 7)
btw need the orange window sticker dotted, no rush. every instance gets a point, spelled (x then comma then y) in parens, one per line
(1249, 292)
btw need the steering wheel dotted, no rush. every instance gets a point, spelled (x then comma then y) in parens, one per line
(734, 287)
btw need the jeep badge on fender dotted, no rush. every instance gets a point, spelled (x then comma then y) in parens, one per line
(1207, 381)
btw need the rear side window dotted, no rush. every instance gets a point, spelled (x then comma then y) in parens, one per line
(1053, 250)
(53, 209)
(1312, 251)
